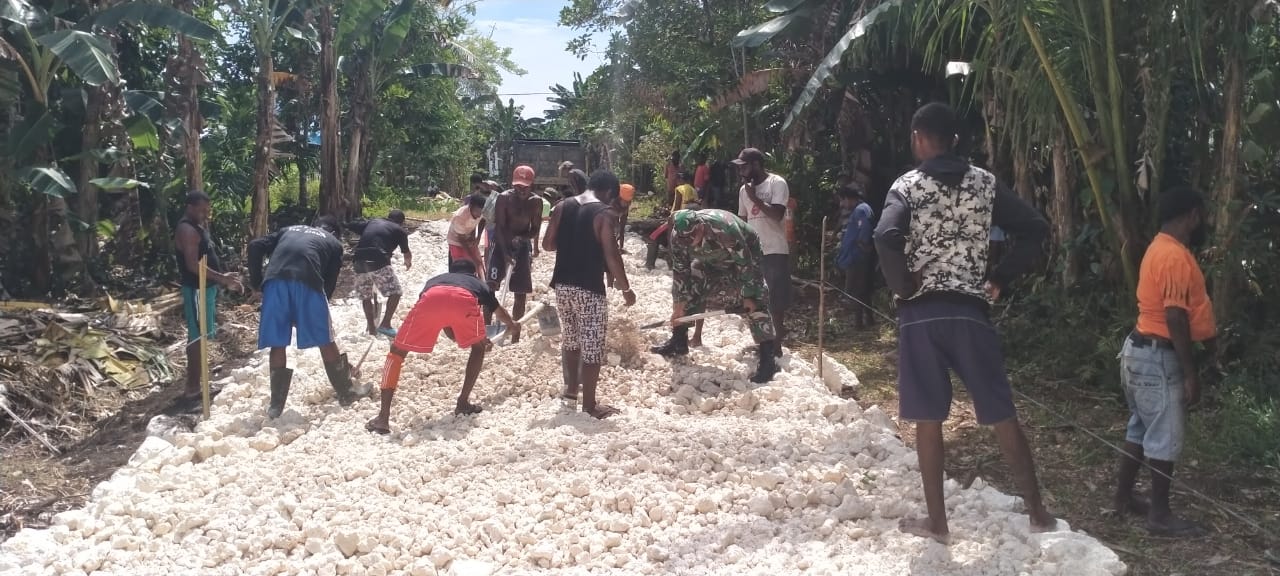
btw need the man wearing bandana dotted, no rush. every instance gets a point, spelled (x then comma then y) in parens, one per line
(715, 264)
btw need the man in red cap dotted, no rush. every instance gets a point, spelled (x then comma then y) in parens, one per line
(762, 202)
(517, 222)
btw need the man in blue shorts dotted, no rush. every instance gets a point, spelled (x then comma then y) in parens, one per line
(932, 240)
(299, 280)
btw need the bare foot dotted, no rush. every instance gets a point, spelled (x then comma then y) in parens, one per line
(920, 527)
(601, 411)
(467, 409)
(695, 342)
(378, 426)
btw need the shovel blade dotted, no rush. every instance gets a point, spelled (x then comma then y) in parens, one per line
(548, 321)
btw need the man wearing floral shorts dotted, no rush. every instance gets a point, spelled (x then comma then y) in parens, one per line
(581, 232)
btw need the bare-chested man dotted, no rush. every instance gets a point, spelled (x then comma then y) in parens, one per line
(517, 223)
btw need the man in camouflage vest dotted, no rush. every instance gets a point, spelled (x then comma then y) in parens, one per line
(715, 264)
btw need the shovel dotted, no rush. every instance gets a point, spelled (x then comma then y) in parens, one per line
(695, 316)
(548, 322)
(377, 313)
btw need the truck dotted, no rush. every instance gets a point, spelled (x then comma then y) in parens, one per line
(544, 156)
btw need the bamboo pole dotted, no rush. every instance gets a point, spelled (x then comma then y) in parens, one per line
(822, 292)
(202, 312)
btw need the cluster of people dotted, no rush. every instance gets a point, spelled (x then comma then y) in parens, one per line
(933, 240)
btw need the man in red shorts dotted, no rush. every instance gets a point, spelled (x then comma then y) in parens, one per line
(450, 303)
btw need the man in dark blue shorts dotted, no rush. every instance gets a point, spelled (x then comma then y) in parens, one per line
(933, 242)
(300, 278)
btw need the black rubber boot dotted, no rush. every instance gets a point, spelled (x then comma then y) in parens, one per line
(280, 379)
(768, 364)
(678, 345)
(651, 256)
(339, 372)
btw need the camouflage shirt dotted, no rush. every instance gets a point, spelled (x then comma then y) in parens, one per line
(712, 246)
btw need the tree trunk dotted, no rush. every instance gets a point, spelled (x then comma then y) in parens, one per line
(1226, 190)
(361, 114)
(192, 120)
(41, 277)
(1023, 178)
(330, 141)
(303, 200)
(1062, 209)
(258, 221)
(87, 194)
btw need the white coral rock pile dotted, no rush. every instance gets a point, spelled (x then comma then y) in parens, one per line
(702, 473)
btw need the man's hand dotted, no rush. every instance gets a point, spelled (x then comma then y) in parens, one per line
(993, 291)
(1190, 390)
(751, 192)
(629, 297)
(408, 261)
(232, 282)
(677, 311)
(749, 305)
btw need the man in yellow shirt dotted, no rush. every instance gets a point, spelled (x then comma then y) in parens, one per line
(686, 195)
(1156, 363)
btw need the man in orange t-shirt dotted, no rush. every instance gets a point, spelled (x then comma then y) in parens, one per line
(1156, 363)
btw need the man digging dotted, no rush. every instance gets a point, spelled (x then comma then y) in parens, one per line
(581, 233)
(451, 303)
(193, 243)
(296, 287)
(715, 264)
(932, 241)
(378, 238)
(518, 216)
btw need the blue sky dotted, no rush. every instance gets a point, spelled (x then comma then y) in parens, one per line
(530, 28)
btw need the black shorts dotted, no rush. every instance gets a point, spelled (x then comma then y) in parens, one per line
(521, 281)
(938, 336)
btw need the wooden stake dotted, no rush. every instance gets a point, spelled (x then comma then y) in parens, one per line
(202, 312)
(822, 291)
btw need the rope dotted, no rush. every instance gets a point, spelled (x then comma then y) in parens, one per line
(1226, 508)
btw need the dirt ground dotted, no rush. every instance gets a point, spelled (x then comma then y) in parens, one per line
(1076, 471)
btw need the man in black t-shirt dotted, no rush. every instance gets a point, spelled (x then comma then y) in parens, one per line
(451, 303)
(296, 286)
(378, 238)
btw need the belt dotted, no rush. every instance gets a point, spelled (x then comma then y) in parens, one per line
(1143, 341)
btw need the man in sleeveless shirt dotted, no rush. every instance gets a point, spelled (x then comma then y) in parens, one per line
(932, 241)
(582, 234)
(193, 242)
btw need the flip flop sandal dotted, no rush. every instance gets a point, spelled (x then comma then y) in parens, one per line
(388, 332)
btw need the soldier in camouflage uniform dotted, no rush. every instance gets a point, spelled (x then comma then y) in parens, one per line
(715, 264)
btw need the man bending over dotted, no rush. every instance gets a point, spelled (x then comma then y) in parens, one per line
(450, 303)
(296, 287)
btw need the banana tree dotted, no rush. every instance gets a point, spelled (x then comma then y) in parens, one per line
(43, 47)
(266, 19)
(373, 37)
